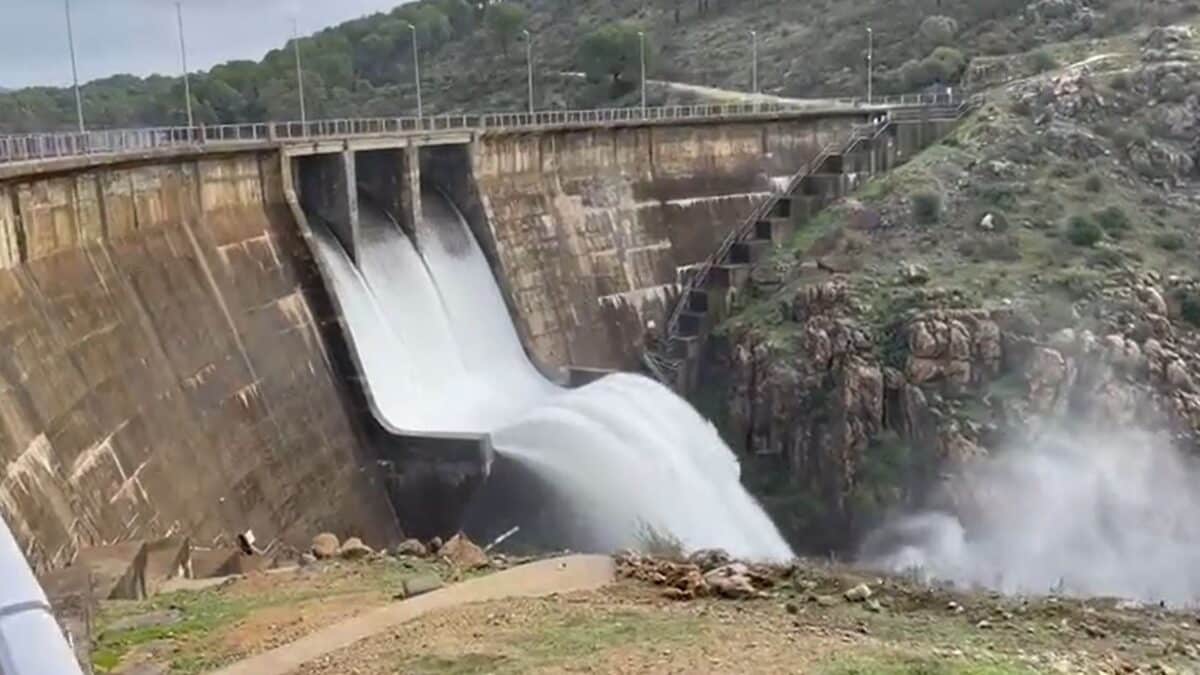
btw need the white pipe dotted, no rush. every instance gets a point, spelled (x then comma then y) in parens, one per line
(31, 642)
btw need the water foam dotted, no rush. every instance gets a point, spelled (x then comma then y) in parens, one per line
(440, 353)
(1079, 513)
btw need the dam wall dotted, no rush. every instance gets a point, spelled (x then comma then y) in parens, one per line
(590, 228)
(165, 363)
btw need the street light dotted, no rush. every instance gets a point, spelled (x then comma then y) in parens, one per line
(187, 85)
(870, 64)
(529, 65)
(74, 67)
(642, 49)
(754, 61)
(299, 76)
(416, 70)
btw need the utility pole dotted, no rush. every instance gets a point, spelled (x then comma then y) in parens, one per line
(74, 68)
(642, 48)
(754, 61)
(187, 85)
(870, 65)
(529, 65)
(299, 76)
(416, 70)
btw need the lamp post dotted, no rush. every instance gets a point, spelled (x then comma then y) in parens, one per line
(299, 76)
(529, 65)
(754, 61)
(642, 51)
(74, 67)
(870, 65)
(187, 85)
(416, 70)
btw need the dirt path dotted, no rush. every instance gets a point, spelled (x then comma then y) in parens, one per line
(546, 577)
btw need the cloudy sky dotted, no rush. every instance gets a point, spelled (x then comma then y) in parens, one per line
(139, 36)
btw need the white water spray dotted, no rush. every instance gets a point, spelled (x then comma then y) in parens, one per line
(439, 353)
(1088, 514)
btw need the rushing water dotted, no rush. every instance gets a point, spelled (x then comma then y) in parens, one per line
(440, 353)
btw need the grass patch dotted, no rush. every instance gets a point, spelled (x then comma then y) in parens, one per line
(466, 664)
(899, 665)
(1170, 241)
(205, 613)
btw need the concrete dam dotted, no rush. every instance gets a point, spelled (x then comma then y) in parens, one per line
(210, 340)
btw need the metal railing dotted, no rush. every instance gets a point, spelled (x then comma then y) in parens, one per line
(663, 363)
(48, 146)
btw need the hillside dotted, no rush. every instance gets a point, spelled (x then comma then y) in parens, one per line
(1025, 289)
(474, 63)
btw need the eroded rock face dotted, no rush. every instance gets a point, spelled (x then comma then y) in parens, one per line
(951, 383)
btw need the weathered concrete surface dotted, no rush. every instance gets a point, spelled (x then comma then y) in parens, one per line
(591, 227)
(161, 369)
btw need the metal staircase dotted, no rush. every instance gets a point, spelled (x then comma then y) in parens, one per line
(684, 329)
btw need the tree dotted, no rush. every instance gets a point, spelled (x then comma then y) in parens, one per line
(939, 31)
(461, 15)
(504, 21)
(612, 51)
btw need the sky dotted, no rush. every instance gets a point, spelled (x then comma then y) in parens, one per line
(140, 36)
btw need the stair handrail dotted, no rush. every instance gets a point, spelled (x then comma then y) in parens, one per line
(765, 207)
(659, 362)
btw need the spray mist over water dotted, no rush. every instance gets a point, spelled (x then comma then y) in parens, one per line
(1113, 515)
(439, 353)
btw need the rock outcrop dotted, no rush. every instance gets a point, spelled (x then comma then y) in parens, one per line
(949, 384)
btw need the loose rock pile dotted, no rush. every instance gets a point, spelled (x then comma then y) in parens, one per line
(704, 573)
(459, 552)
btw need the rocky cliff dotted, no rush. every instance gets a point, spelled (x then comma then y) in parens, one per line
(1035, 270)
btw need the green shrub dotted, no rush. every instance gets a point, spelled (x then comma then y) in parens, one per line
(1042, 60)
(1113, 221)
(1081, 231)
(1001, 249)
(1119, 82)
(1170, 241)
(926, 208)
(1094, 183)
(1106, 257)
(1127, 136)
(1000, 195)
(1189, 307)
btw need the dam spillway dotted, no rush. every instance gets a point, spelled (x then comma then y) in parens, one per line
(439, 353)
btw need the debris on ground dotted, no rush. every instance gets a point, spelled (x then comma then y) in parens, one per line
(704, 573)
(463, 553)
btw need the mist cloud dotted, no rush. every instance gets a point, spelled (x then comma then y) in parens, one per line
(1081, 514)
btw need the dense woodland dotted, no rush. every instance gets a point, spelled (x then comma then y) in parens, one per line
(473, 57)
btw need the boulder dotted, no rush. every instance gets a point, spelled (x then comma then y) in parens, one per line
(325, 545)
(411, 547)
(354, 549)
(434, 545)
(463, 553)
(914, 274)
(859, 593)
(419, 585)
(731, 581)
(710, 558)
